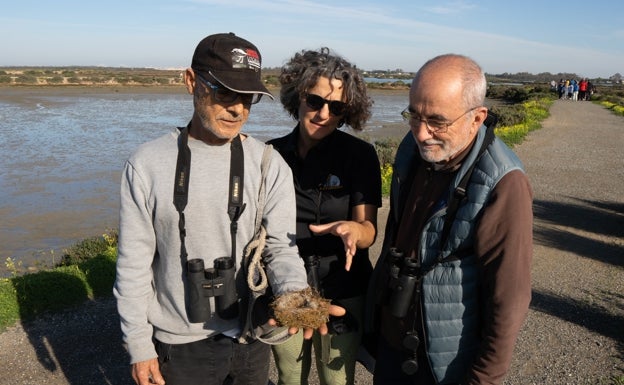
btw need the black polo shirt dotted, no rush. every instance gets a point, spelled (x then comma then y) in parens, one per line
(340, 172)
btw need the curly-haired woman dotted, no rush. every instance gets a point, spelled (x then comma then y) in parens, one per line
(338, 187)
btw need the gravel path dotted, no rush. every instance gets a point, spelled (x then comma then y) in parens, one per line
(574, 333)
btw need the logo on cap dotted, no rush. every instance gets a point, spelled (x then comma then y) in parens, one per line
(245, 58)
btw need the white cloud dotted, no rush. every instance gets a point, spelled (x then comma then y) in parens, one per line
(450, 8)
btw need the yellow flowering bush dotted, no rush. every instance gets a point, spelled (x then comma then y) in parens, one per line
(386, 178)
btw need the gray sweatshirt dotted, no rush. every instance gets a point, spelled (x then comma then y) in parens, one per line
(149, 285)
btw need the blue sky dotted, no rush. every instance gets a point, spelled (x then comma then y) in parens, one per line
(582, 37)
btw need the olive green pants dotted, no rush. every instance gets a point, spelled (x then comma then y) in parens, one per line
(334, 354)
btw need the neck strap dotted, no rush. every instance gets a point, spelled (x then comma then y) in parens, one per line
(459, 194)
(181, 188)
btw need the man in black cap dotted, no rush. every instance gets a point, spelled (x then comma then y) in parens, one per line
(182, 323)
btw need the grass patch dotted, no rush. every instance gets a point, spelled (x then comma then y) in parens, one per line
(533, 113)
(613, 107)
(613, 380)
(87, 271)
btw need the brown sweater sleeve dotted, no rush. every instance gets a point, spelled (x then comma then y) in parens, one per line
(504, 246)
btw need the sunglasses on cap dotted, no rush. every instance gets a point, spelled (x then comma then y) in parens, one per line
(225, 95)
(316, 102)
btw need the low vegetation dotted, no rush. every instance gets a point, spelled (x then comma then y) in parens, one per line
(86, 271)
(611, 98)
(527, 117)
(89, 76)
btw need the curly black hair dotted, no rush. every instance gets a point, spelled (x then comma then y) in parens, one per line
(303, 71)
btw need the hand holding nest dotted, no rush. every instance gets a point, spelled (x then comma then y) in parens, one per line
(304, 309)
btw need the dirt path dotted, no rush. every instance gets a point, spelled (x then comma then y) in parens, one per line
(574, 333)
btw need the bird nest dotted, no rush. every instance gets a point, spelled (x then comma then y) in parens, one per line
(301, 309)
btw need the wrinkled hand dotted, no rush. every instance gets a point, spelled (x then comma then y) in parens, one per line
(348, 231)
(335, 310)
(147, 372)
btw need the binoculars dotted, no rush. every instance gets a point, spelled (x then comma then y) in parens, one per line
(404, 280)
(312, 265)
(405, 276)
(217, 282)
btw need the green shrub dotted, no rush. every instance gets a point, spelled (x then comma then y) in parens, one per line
(512, 135)
(57, 79)
(26, 78)
(272, 80)
(509, 115)
(386, 150)
(534, 112)
(386, 179)
(49, 290)
(617, 109)
(100, 272)
(9, 308)
(27, 296)
(516, 94)
(88, 248)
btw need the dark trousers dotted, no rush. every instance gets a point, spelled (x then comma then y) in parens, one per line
(218, 360)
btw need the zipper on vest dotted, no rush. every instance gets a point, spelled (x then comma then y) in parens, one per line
(424, 335)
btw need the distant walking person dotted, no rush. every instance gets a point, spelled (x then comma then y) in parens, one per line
(583, 89)
(562, 89)
(590, 90)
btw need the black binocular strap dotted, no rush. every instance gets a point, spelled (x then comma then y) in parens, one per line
(460, 191)
(181, 187)
(235, 202)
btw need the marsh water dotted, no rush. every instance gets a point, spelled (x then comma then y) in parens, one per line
(63, 152)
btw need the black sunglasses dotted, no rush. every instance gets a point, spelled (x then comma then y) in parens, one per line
(316, 102)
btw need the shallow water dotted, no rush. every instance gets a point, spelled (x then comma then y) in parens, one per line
(62, 156)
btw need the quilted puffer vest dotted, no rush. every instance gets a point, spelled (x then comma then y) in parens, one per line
(450, 297)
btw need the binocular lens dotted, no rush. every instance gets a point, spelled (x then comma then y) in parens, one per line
(409, 367)
(410, 342)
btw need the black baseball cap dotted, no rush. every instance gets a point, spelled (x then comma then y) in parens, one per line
(232, 61)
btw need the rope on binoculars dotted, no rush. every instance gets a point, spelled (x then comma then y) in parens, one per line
(255, 270)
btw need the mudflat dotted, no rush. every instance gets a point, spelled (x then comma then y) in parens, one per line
(573, 332)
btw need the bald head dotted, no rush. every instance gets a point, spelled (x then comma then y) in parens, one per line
(457, 74)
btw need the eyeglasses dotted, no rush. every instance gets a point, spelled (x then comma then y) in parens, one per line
(225, 95)
(436, 126)
(316, 102)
